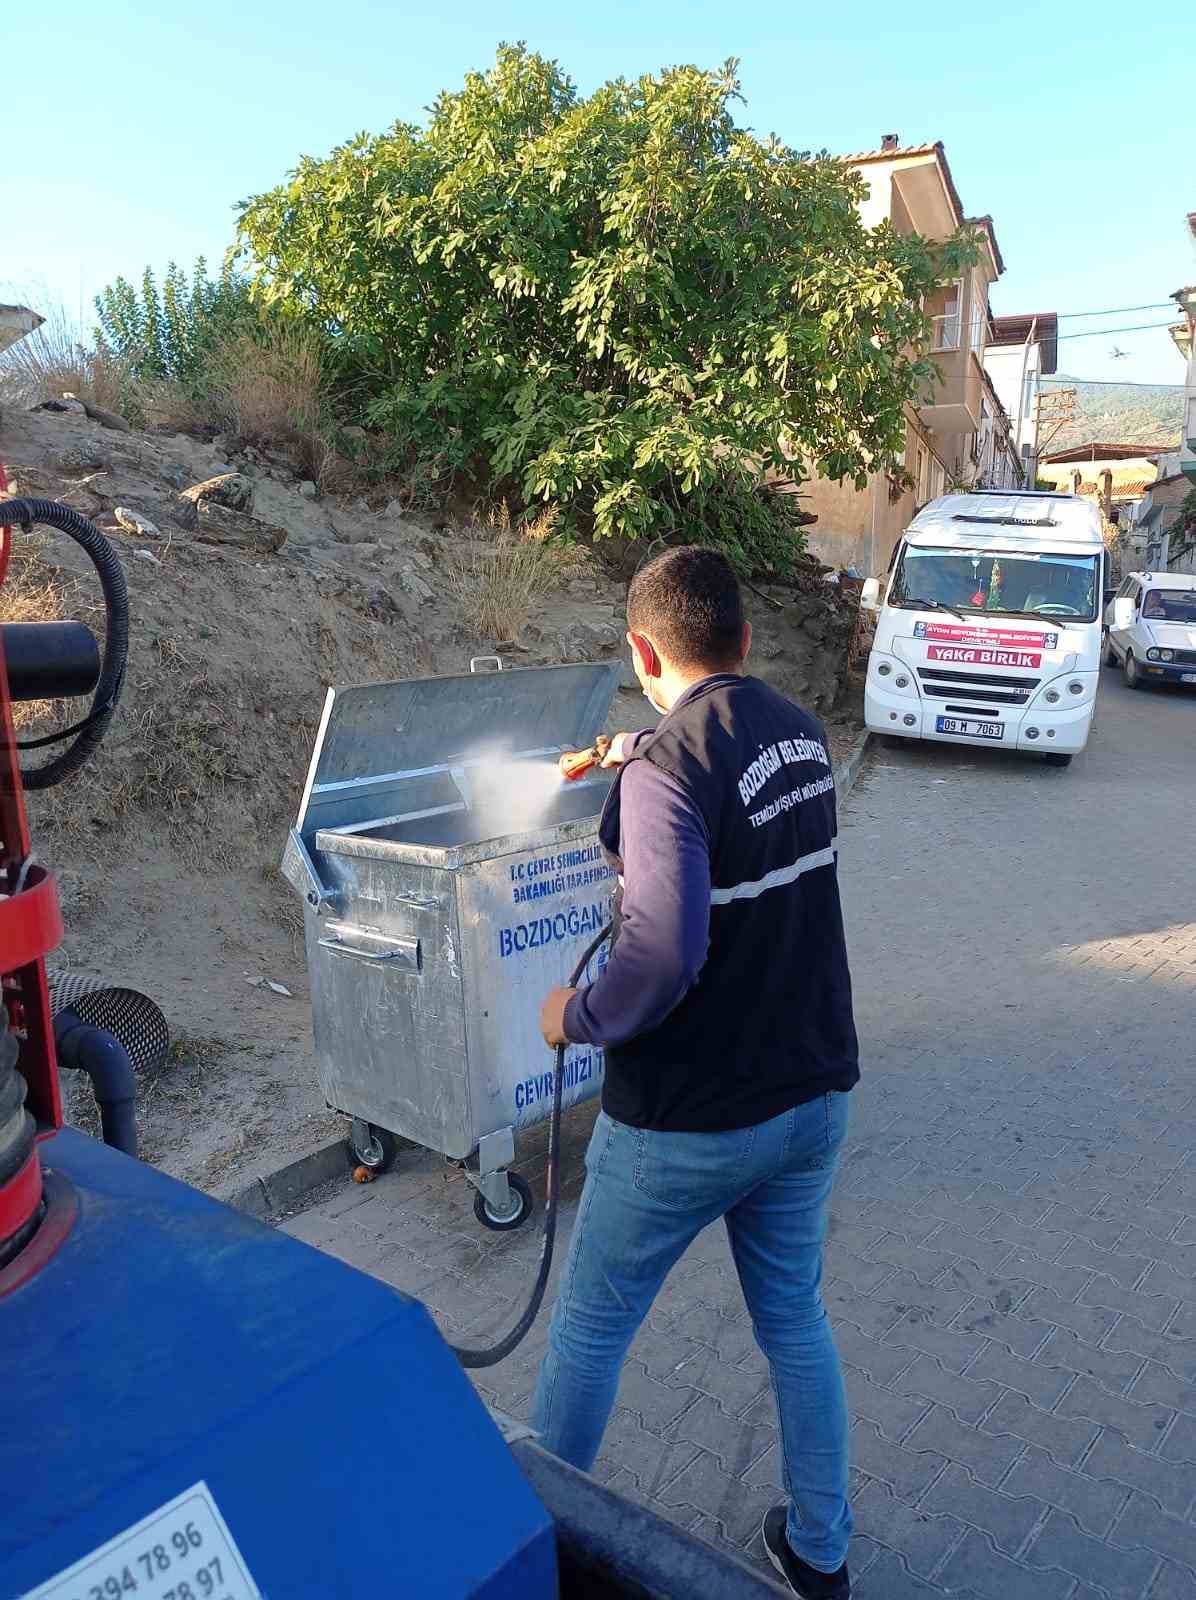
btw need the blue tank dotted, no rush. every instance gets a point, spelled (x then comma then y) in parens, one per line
(182, 1385)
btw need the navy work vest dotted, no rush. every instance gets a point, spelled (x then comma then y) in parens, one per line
(768, 1025)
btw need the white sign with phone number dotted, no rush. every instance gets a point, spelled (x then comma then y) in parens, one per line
(183, 1551)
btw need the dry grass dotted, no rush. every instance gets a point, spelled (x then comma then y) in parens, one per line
(269, 388)
(498, 587)
(176, 760)
(168, 405)
(53, 361)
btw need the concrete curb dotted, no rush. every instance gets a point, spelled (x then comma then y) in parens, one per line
(278, 1191)
(846, 776)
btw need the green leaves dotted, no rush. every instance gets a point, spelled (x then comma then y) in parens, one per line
(169, 332)
(621, 303)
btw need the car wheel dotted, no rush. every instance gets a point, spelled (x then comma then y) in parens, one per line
(1133, 678)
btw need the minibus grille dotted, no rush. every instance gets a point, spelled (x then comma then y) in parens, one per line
(992, 689)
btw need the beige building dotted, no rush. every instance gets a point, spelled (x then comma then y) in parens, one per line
(960, 433)
(1168, 536)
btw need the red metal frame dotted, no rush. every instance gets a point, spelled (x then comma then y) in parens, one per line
(30, 922)
(30, 927)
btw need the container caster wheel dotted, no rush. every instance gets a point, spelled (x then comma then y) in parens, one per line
(373, 1147)
(523, 1206)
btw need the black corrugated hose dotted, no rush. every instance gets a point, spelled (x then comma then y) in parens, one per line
(17, 1130)
(87, 733)
(494, 1353)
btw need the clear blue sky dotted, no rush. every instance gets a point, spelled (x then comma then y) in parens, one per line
(130, 129)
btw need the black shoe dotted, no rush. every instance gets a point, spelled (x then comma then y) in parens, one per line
(802, 1578)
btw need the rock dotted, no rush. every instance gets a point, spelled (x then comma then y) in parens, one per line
(394, 514)
(383, 605)
(82, 458)
(230, 489)
(415, 585)
(175, 474)
(350, 531)
(353, 432)
(217, 524)
(107, 419)
(134, 522)
(365, 548)
(308, 489)
(594, 637)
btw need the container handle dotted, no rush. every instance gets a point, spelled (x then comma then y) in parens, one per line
(377, 948)
(475, 662)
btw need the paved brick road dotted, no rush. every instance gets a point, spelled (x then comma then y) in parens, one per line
(1012, 1270)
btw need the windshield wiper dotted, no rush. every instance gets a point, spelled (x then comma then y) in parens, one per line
(930, 605)
(1044, 617)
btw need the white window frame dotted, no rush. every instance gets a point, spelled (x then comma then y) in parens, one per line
(978, 318)
(947, 327)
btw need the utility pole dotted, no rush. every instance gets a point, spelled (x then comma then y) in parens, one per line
(1052, 413)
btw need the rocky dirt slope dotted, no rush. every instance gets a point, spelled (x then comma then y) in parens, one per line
(168, 846)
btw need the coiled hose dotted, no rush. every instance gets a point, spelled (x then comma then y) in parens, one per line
(87, 733)
(17, 1131)
(495, 1353)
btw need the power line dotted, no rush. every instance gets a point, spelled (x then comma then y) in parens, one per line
(1117, 311)
(1114, 383)
(1100, 333)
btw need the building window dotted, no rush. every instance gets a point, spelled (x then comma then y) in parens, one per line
(946, 326)
(1028, 396)
(979, 317)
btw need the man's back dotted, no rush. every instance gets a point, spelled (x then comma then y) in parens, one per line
(756, 771)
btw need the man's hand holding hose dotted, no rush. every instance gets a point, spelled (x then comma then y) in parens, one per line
(552, 1012)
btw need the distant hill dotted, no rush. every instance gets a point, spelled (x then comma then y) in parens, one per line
(1120, 414)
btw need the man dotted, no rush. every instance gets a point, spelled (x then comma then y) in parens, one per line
(725, 1014)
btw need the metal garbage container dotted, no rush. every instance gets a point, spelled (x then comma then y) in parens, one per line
(450, 878)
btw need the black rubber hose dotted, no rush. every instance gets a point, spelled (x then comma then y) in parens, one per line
(17, 1130)
(116, 643)
(495, 1353)
(106, 1062)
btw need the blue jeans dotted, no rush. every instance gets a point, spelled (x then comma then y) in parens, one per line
(646, 1196)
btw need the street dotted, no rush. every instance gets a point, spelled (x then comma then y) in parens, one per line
(1012, 1266)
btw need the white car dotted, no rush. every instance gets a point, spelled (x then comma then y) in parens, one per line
(1150, 628)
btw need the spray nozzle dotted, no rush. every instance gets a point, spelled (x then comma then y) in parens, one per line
(575, 764)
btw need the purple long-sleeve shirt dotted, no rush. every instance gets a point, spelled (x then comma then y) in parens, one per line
(665, 928)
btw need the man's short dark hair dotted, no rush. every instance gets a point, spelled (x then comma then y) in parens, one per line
(688, 600)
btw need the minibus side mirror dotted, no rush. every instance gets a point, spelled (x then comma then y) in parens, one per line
(870, 594)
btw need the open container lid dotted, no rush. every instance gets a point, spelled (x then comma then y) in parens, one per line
(406, 749)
